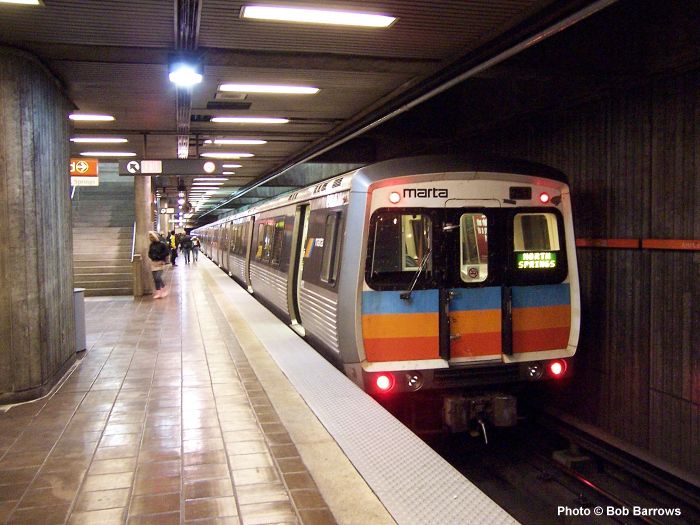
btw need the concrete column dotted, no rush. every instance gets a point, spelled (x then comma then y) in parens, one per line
(37, 323)
(143, 201)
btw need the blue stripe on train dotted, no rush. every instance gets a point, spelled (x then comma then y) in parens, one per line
(541, 295)
(476, 298)
(422, 301)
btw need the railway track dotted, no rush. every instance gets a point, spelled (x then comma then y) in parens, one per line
(544, 472)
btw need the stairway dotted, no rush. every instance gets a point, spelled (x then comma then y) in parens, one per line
(103, 219)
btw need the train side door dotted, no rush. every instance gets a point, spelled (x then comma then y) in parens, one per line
(400, 304)
(248, 239)
(296, 266)
(472, 305)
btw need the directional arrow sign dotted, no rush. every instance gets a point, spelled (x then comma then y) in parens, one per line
(171, 167)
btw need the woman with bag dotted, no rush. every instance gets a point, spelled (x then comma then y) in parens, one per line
(158, 254)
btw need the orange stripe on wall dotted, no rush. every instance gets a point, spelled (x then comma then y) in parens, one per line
(400, 349)
(539, 340)
(476, 345)
(475, 321)
(376, 326)
(541, 317)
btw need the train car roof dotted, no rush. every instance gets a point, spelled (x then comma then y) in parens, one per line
(361, 178)
(426, 164)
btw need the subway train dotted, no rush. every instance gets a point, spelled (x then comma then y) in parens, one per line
(443, 276)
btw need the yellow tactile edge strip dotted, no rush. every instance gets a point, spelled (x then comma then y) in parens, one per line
(347, 494)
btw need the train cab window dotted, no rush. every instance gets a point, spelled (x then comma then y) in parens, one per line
(538, 256)
(401, 246)
(474, 248)
(328, 262)
(534, 232)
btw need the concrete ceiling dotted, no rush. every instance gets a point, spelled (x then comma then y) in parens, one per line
(112, 57)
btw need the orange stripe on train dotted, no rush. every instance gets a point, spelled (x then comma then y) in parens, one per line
(400, 349)
(541, 317)
(540, 340)
(379, 326)
(476, 345)
(475, 321)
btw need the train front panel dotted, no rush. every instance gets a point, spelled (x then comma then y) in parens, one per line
(468, 280)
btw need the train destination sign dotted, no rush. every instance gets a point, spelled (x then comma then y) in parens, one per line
(170, 167)
(536, 260)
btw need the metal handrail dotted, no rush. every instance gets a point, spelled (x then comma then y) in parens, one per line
(133, 242)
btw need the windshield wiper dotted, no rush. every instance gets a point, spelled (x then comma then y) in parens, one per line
(406, 296)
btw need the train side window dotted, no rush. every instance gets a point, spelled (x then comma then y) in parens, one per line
(328, 265)
(264, 241)
(401, 241)
(277, 241)
(474, 248)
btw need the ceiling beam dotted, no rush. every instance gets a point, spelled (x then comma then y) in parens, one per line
(188, 14)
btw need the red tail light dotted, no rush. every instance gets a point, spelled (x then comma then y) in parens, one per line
(384, 382)
(557, 368)
(544, 198)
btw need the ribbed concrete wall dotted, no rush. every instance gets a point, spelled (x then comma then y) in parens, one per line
(37, 327)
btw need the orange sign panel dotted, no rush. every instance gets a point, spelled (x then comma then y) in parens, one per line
(83, 167)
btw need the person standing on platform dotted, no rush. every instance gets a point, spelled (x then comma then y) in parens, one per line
(186, 247)
(158, 254)
(195, 248)
(172, 241)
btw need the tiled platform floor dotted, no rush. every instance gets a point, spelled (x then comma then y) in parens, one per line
(163, 421)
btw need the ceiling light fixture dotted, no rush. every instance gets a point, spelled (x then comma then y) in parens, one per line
(98, 140)
(22, 2)
(108, 154)
(231, 166)
(269, 88)
(185, 71)
(250, 120)
(249, 142)
(225, 155)
(90, 117)
(316, 16)
(196, 179)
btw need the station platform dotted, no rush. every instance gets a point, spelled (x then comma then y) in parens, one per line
(202, 407)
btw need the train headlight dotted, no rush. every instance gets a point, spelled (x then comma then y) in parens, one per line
(535, 371)
(394, 197)
(384, 382)
(544, 198)
(414, 381)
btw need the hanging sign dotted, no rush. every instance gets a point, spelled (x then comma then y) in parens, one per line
(84, 172)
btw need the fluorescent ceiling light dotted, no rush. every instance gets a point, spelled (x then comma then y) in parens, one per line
(231, 166)
(23, 2)
(90, 118)
(250, 142)
(99, 140)
(225, 155)
(108, 154)
(316, 16)
(210, 178)
(269, 88)
(228, 172)
(251, 120)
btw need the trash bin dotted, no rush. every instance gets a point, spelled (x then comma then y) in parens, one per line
(79, 308)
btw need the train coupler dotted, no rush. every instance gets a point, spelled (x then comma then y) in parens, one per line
(462, 413)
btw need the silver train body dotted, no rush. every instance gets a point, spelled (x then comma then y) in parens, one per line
(440, 274)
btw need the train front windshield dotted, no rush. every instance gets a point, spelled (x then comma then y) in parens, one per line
(465, 248)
